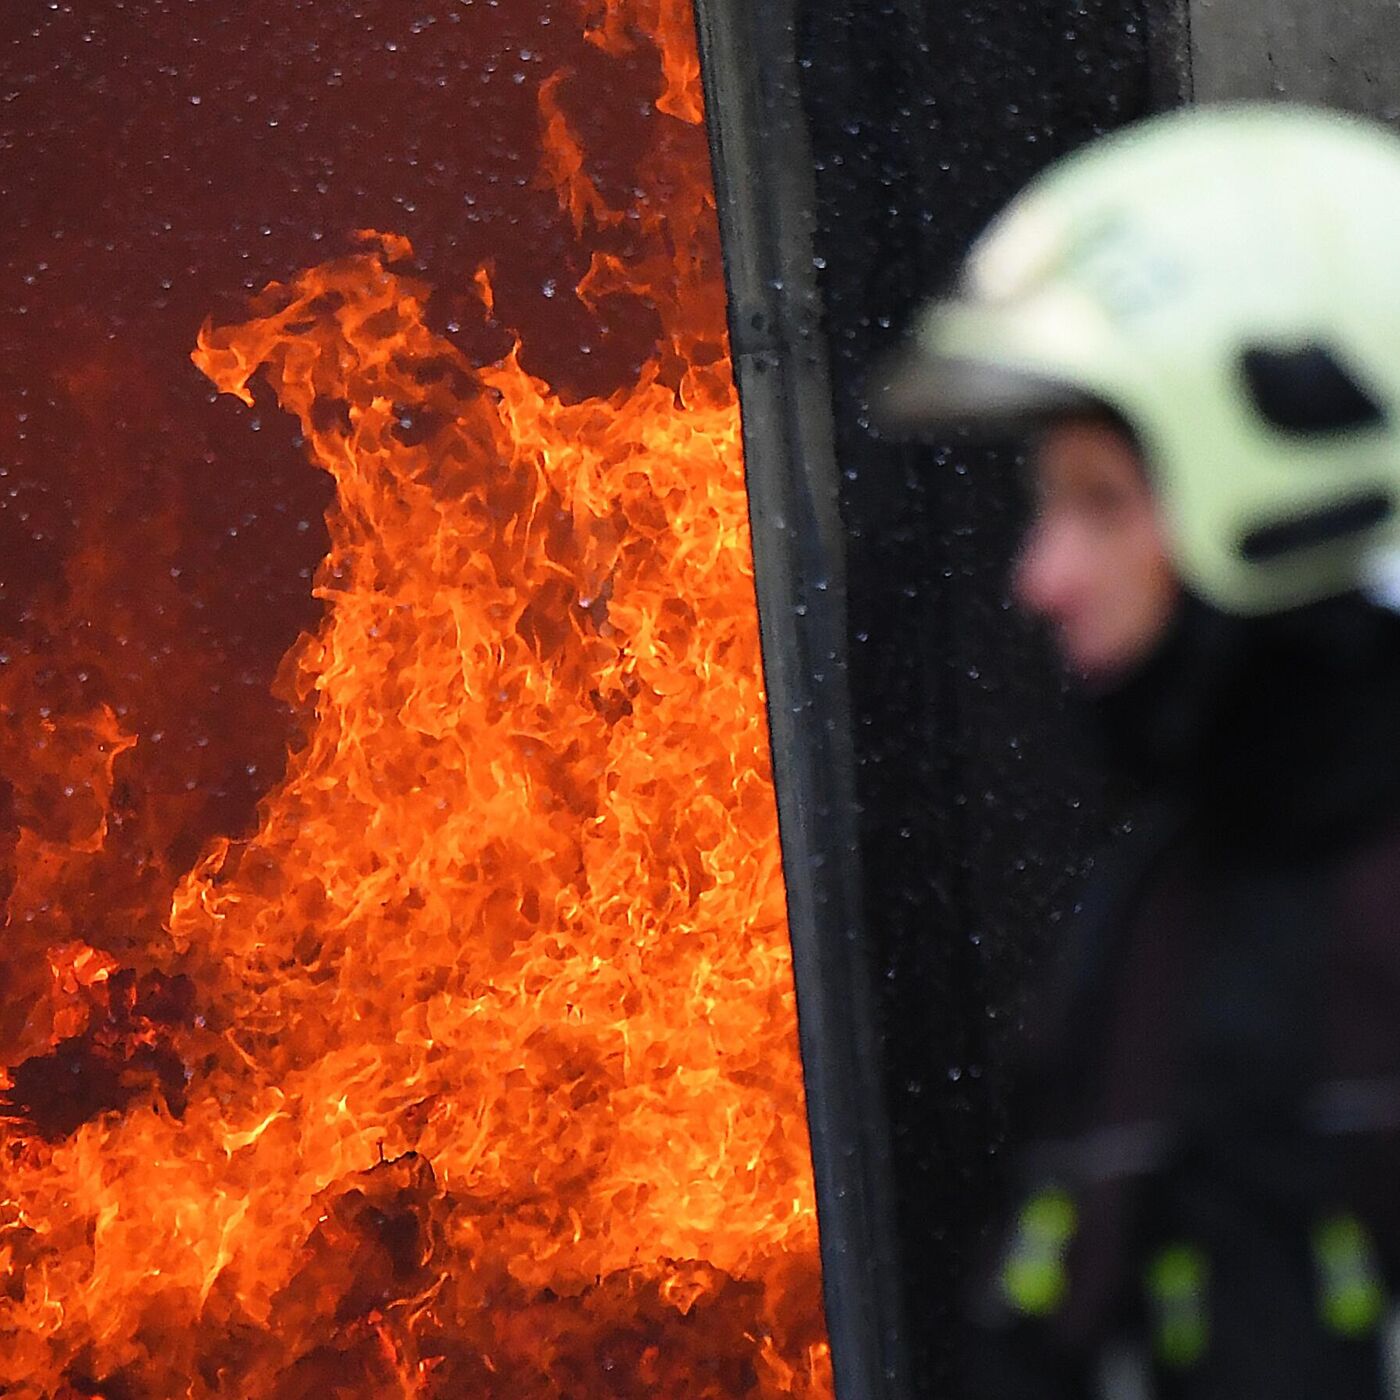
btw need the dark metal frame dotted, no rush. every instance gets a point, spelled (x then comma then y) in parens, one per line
(763, 182)
(1169, 36)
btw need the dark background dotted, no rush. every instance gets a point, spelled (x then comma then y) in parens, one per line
(980, 804)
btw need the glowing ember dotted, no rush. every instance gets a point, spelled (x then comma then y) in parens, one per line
(472, 1071)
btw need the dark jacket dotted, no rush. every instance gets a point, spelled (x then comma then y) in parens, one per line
(1210, 1165)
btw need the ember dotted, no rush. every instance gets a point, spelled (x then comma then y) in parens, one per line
(472, 1070)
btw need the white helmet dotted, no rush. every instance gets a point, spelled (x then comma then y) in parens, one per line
(1227, 281)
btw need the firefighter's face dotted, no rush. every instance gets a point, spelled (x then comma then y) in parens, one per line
(1094, 564)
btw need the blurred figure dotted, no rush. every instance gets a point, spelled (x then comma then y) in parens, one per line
(1199, 321)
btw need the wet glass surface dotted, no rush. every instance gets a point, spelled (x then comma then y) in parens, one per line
(978, 805)
(455, 1054)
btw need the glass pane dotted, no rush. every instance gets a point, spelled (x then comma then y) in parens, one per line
(368, 401)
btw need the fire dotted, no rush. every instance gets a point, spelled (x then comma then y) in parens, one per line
(472, 1071)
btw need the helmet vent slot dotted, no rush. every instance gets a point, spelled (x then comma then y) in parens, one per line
(1307, 390)
(1317, 527)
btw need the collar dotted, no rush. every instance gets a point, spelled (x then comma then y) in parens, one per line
(1274, 734)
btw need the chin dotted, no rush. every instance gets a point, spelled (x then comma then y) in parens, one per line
(1095, 666)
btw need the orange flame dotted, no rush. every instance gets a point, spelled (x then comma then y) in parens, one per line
(662, 22)
(493, 1086)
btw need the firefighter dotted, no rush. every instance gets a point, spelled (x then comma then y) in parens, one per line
(1197, 323)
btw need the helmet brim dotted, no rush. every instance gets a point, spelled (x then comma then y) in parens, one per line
(916, 391)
